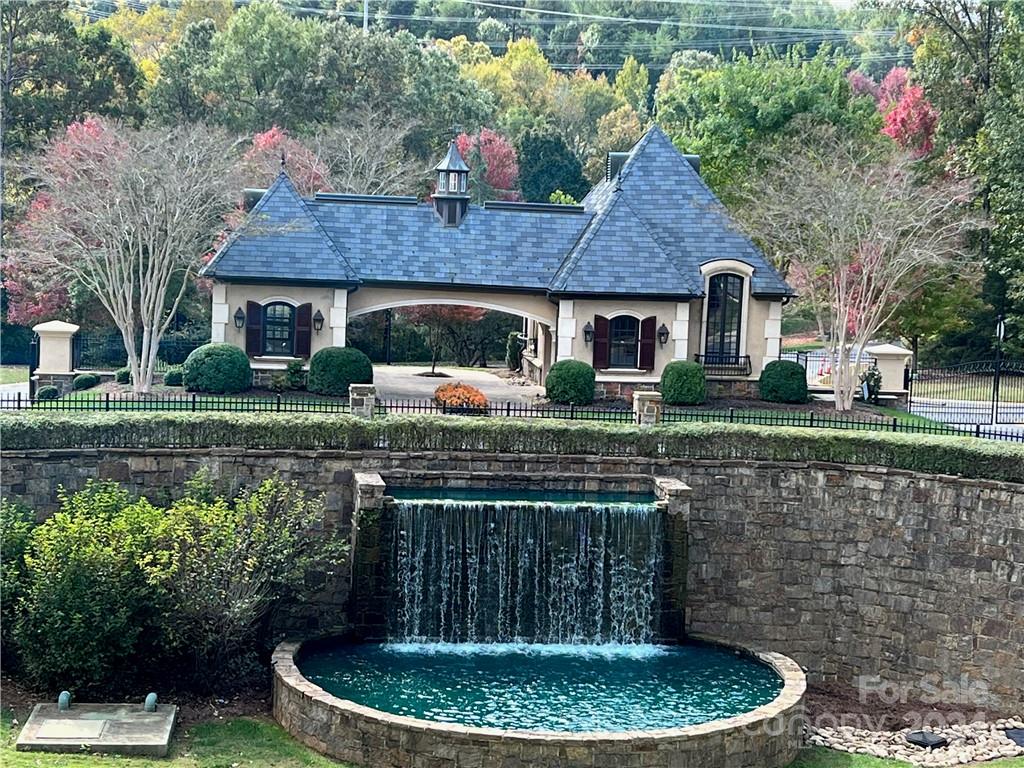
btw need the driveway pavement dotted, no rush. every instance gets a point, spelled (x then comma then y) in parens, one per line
(400, 382)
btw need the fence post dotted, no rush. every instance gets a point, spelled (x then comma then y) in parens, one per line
(732, 415)
(278, 402)
(193, 402)
(106, 402)
(647, 408)
(810, 421)
(362, 400)
(508, 408)
(19, 401)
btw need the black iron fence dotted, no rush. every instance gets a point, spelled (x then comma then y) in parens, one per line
(983, 392)
(107, 402)
(725, 365)
(103, 350)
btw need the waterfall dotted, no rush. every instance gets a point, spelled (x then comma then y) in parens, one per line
(493, 571)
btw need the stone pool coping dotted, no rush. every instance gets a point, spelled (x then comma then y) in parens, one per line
(764, 737)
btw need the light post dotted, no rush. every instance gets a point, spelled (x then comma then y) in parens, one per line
(1000, 335)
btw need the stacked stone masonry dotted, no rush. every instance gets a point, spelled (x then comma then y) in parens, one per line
(850, 570)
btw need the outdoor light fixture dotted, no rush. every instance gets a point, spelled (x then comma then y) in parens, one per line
(663, 335)
(239, 318)
(318, 321)
(588, 332)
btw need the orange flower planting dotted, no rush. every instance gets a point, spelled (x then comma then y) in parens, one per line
(459, 396)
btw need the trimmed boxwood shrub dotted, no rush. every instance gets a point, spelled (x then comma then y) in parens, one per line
(174, 376)
(49, 392)
(683, 383)
(221, 369)
(334, 369)
(783, 381)
(570, 382)
(84, 381)
(123, 375)
(953, 455)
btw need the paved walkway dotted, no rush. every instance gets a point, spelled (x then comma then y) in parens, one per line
(400, 382)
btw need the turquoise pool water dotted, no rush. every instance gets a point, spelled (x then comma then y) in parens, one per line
(531, 687)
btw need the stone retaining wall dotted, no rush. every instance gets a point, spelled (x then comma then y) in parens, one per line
(850, 570)
(766, 737)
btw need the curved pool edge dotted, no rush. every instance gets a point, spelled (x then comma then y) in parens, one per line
(765, 737)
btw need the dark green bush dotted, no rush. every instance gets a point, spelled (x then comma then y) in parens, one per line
(48, 392)
(15, 344)
(683, 383)
(174, 376)
(123, 375)
(570, 382)
(85, 381)
(115, 590)
(783, 381)
(333, 369)
(220, 369)
(295, 375)
(15, 529)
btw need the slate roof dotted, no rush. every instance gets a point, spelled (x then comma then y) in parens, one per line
(645, 232)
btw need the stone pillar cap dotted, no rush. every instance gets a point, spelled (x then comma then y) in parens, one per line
(55, 326)
(887, 349)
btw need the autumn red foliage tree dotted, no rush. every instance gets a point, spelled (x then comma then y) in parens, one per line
(493, 163)
(263, 161)
(908, 117)
(447, 326)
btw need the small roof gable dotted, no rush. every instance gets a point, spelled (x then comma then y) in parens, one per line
(281, 240)
(685, 225)
(453, 160)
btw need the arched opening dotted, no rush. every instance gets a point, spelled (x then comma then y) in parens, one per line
(723, 337)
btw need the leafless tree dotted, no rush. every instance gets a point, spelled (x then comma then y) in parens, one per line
(365, 154)
(129, 216)
(858, 231)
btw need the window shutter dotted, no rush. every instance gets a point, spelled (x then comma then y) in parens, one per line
(303, 329)
(601, 346)
(253, 329)
(648, 332)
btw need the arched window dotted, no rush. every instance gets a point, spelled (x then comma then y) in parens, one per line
(725, 315)
(624, 342)
(278, 329)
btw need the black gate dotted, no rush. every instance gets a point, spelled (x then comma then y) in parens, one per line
(985, 392)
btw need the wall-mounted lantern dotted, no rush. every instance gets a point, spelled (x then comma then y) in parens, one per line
(663, 335)
(588, 332)
(318, 321)
(239, 318)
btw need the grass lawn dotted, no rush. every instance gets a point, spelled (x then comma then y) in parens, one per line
(257, 742)
(13, 374)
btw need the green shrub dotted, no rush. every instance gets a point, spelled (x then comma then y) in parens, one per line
(783, 381)
(333, 369)
(49, 392)
(84, 381)
(88, 612)
(871, 379)
(123, 375)
(570, 382)
(15, 529)
(683, 383)
(174, 376)
(295, 375)
(278, 382)
(116, 590)
(514, 351)
(221, 369)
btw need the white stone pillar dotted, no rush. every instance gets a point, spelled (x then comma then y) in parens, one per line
(362, 400)
(681, 331)
(566, 329)
(772, 333)
(891, 360)
(55, 346)
(647, 408)
(339, 317)
(220, 315)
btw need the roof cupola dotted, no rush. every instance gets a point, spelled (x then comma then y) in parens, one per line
(451, 198)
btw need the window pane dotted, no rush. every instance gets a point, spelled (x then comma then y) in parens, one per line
(624, 338)
(278, 329)
(725, 308)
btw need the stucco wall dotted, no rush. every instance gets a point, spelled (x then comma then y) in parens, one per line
(371, 297)
(849, 570)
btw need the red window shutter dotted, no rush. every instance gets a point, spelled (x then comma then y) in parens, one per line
(253, 329)
(303, 329)
(648, 333)
(601, 346)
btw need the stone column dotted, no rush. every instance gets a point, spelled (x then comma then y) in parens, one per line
(892, 359)
(681, 331)
(566, 329)
(647, 408)
(55, 356)
(339, 317)
(674, 502)
(220, 313)
(362, 400)
(370, 592)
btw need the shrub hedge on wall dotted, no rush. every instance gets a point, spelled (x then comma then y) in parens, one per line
(783, 381)
(683, 383)
(570, 382)
(333, 370)
(967, 456)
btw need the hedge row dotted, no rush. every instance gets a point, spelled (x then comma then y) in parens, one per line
(967, 456)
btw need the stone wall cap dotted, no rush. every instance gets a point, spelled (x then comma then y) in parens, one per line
(888, 350)
(55, 327)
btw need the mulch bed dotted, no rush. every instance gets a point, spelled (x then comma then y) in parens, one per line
(18, 701)
(832, 704)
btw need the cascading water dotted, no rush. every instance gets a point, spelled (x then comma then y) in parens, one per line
(538, 572)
